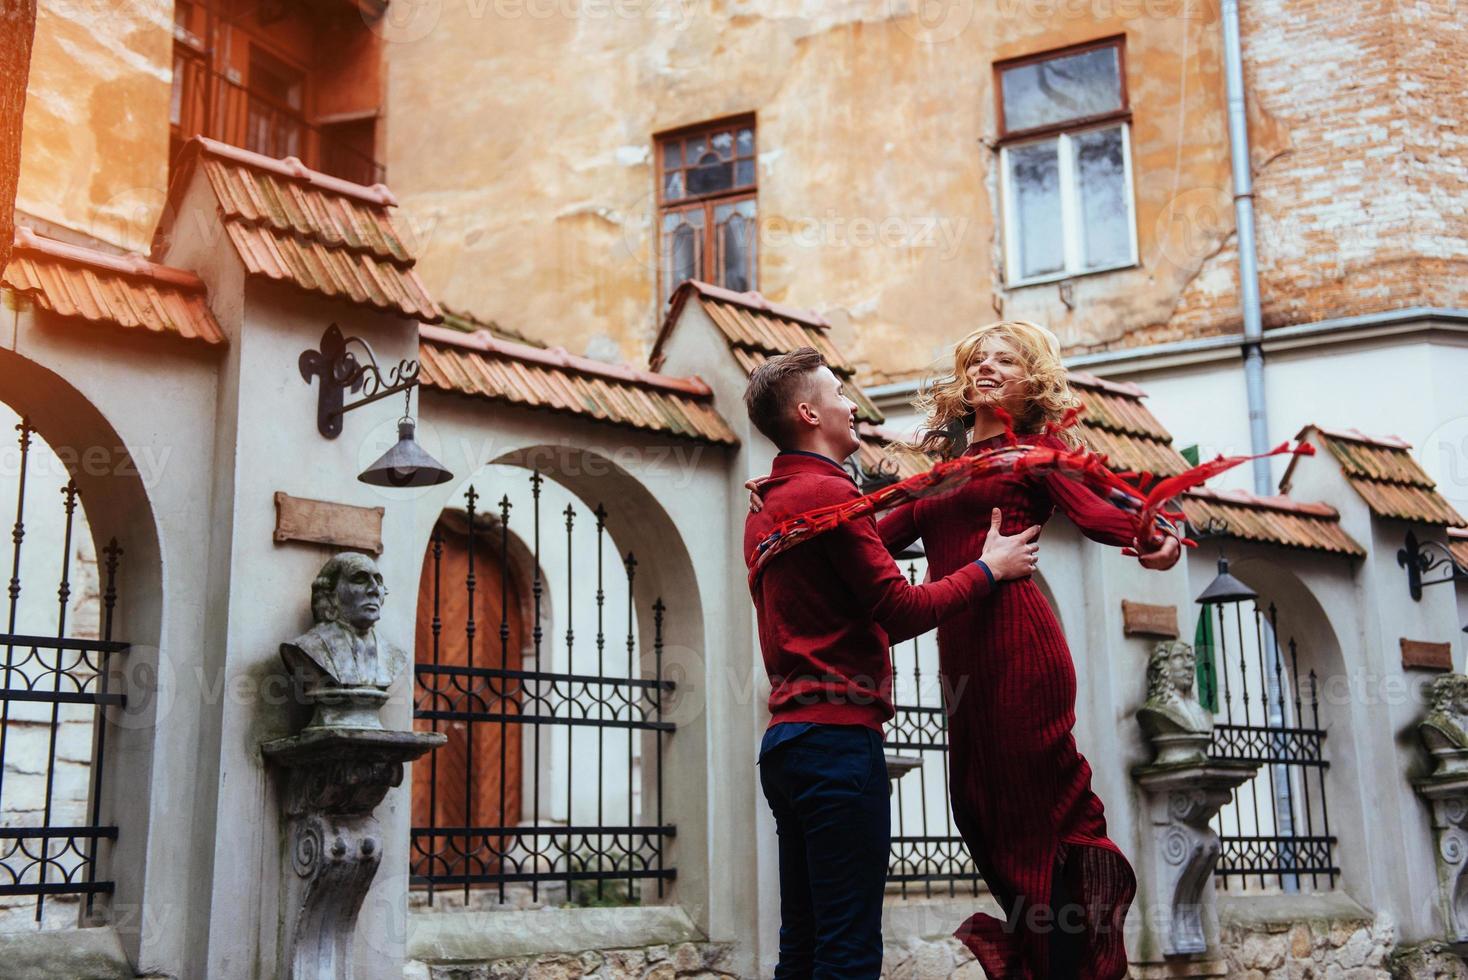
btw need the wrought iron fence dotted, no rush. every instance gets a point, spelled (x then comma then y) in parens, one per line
(1276, 830)
(53, 686)
(927, 850)
(517, 732)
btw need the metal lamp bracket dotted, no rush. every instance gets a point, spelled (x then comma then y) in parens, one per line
(1422, 557)
(340, 370)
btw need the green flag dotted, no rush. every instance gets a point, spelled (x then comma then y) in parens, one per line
(1207, 665)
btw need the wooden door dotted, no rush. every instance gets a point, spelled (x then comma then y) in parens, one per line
(467, 781)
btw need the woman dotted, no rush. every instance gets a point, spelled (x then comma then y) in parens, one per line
(1021, 792)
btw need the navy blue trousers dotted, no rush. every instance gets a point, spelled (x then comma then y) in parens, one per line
(828, 790)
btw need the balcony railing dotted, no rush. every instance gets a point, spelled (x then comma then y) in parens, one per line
(206, 103)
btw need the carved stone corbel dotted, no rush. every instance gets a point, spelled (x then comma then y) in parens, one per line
(334, 779)
(1449, 802)
(1444, 732)
(1181, 803)
(338, 769)
(1184, 791)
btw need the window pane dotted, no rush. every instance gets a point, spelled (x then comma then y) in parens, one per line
(723, 144)
(1105, 216)
(710, 174)
(1034, 180)
(1053, 91)
(673, 185)
(275, 80)
(743, 173)
(682, 247)
(175, 98)
(736, 237)
(672, 155)
(745, 143)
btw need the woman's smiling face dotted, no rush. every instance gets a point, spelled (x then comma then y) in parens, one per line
(996, 374)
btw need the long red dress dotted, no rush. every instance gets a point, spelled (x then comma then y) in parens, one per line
(1021, 791)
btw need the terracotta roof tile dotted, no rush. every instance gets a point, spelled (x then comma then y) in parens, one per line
(1118, 424)
(1272, 520)
(883, 452)
(320, 233)
(482, 366)
(466, 322)
(1458, 545)
(1131, 453)
(1386, 476)
(129, 292)
(756, 329)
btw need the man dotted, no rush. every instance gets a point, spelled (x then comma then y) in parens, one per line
(828, 611)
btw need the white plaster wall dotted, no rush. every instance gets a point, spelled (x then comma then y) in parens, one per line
(1370, 706)
(148, 407)
(271, 444)
(748, 903)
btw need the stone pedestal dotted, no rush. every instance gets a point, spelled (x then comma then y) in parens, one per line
(333, 779)
(1181, 800)
(899, 766)
(1446, 792)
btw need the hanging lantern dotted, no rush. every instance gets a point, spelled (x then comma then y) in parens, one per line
(1225, 588)
(406, 464)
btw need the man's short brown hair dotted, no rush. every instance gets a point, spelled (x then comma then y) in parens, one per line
(776, 387)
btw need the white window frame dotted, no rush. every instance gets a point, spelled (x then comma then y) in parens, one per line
(1070, 208)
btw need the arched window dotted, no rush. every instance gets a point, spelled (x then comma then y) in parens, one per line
(549, 790)
(57, 647)
(1256, 677)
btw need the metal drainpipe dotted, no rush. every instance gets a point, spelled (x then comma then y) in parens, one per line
(1238, 132)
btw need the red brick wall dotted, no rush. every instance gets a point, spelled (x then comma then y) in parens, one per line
(1361, 174)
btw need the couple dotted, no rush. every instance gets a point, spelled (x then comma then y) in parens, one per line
(828, 611)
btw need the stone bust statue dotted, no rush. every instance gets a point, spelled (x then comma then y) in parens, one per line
(343, 666)
(1178, 726)
(1444, 729)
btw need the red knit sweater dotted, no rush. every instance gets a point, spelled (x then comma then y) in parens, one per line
(829, 609)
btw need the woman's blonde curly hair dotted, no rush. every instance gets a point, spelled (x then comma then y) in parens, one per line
(946, 400)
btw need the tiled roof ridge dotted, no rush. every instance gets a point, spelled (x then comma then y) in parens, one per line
(1276, 502)
(1125, 389)
(755, 300)
(127, 265)
(293, 169)
(558, 357)
(492, 326)
(1356, 435)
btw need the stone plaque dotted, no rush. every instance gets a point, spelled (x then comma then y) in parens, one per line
(1417, 654)
(323, 522)
(1141, 619)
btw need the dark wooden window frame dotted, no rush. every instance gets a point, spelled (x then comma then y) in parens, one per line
(275, 54)
(1124, 114)
(708, 201)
